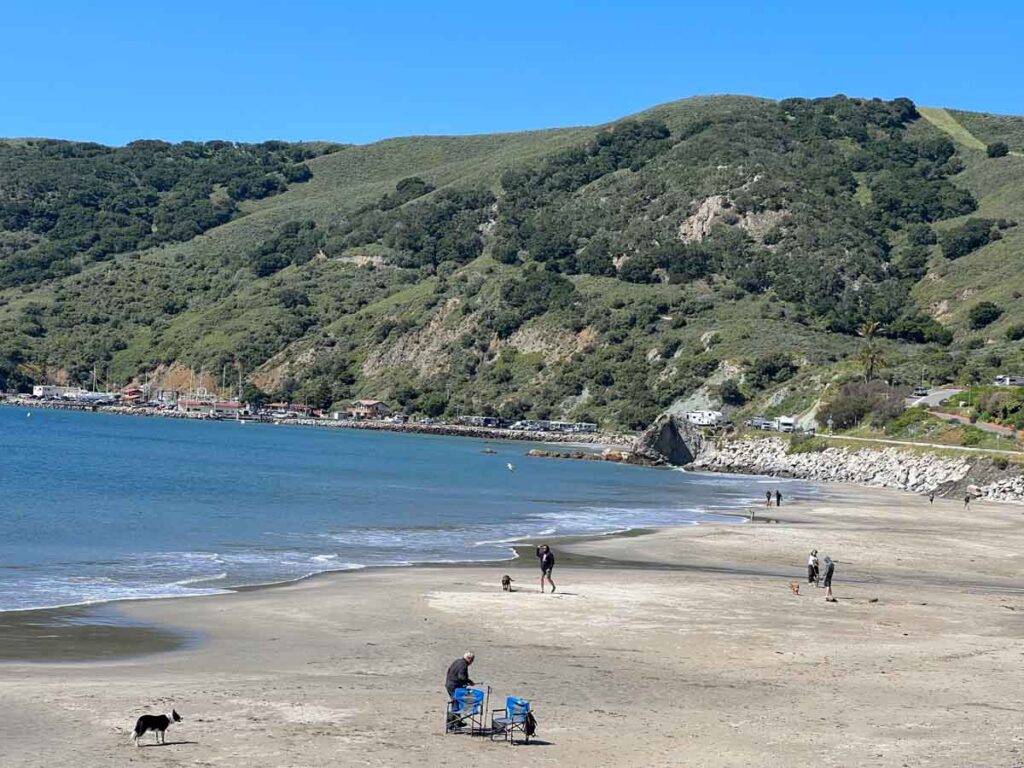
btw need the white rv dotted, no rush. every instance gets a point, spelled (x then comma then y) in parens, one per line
(785, 424)
(704, 418)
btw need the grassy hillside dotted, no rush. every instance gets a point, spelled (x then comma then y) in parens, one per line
(713, 246)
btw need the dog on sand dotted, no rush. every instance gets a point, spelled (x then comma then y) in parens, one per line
(158, 724)
(506, 583)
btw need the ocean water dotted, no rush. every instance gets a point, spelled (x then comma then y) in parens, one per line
(97, 507)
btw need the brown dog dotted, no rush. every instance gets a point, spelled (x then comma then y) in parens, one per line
(795, 587)
(506, 583)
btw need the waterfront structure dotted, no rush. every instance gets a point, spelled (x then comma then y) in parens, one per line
(368, 409)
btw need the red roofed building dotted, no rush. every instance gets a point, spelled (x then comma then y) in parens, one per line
(368, 409)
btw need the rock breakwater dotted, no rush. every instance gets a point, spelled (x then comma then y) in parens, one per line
(882, 468)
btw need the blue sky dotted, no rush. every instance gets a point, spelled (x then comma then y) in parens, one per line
(113, 71)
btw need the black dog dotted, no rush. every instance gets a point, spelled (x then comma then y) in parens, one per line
(158, 724)
(506, 583)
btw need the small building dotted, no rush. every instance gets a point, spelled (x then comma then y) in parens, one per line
(704, 418)
(132, 395)
(368, 409)
(1008, 380)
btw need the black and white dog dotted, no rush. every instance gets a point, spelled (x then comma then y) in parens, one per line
(158, 724)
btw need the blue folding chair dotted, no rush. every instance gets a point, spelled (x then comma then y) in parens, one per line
(465, 707)
(506, 722)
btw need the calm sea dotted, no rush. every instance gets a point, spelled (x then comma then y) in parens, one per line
(96, 507)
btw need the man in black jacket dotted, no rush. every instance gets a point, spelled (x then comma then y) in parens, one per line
(458, 673)
(458, 677)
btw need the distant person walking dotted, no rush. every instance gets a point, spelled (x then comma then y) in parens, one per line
(767, 498)
(547, 565)
(830, 568)
(931, 497)
(778, 499)
(812, 568)
(967, 501)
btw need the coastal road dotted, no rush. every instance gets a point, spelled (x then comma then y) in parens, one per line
(933, 398)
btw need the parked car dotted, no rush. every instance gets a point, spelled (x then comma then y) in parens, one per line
(920, 392)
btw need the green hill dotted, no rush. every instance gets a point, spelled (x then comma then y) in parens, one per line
(603, 273)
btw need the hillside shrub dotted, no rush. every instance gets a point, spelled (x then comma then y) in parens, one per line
(971, 436)
(968, 237)
(983, 314)
(770, 369)
(997, 149)
(857, 400)
(730, 393)
(1015, 332)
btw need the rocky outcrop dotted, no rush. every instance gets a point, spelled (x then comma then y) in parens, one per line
(669, 441)
(884, 468)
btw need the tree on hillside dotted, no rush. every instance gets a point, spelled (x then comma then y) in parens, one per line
(982, 314)
(871, 357)
(997, 149)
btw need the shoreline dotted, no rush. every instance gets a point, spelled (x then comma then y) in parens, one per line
(104, 631)
(594, 441)
(698, 628)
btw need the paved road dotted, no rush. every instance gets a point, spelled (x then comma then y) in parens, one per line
(933, 398)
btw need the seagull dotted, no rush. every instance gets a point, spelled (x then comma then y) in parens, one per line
(510, 467)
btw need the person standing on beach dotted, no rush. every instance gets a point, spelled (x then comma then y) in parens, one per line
(931, 497)
(458, 677)
(830, 568)
(967, 501)
(812, 568)
(767, 498)
(547, 564)
(778, 498)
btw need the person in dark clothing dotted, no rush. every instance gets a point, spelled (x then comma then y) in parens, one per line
(767, 498)
(458, 677)
(931, 497)
(778, 498)
(547, 564)
(458, 673)
(830, 568)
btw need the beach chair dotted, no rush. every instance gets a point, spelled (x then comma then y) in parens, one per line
(465, 707)
(506, 722)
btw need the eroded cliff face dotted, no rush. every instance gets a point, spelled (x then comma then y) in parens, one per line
(884, 468)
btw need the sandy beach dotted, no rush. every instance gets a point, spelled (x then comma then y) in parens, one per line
(674, 647)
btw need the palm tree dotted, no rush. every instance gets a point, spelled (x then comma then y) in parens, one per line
(871, 357)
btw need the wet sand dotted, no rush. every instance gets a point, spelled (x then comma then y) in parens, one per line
(675, 647)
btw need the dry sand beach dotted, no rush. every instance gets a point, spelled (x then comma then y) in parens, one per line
(675, 647)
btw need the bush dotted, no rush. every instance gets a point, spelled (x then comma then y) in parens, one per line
(855, 401)
(971, 436)
(770, 369)
(997, 149)
(983, 314)
(730, 393)
(1015, 332)
(968, 237)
